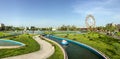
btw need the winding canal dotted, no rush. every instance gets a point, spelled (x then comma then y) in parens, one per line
(76, 50)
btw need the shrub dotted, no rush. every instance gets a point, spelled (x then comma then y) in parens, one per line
(74, 39)
(90, 39)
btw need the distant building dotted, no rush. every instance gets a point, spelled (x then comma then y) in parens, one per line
(53, 29)
(2, 27)
(111, 24)
(83, 29)
(118, 27)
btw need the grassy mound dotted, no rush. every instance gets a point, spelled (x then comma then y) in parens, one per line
(118, 33)
(31, 46)
(103, 43)
(3, 34)
(58, 54)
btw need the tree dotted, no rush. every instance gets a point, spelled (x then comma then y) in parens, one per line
(73, 28)
(9, 28)
(67, 28)
(110, 27)
(62, 28)
(32, 28)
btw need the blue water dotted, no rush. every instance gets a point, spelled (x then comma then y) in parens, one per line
(77, 51)
(4, 42)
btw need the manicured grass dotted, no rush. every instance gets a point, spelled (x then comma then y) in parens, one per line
(3, 34)
(31, 46)
(58, 54)
(107, 45)
(118, 33)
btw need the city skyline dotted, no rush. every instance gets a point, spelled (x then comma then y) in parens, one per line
(54, 13)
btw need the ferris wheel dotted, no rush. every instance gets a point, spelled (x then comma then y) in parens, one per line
(90, 22)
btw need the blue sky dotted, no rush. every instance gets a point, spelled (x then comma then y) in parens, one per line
(45, 13)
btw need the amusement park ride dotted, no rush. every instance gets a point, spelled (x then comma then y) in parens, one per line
(90, 22)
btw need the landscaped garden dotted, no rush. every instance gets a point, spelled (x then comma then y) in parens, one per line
(3, 34)
(30, 46)
(58, 54)
(103, 43)
(118, 33)
(107, 45)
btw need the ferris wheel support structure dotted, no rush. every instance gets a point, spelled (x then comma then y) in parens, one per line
(90, 26)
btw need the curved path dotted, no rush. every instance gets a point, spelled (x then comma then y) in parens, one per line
(45, 51)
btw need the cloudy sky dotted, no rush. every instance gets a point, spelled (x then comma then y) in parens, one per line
(45, 13)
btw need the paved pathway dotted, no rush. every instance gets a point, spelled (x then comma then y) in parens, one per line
(45, 51)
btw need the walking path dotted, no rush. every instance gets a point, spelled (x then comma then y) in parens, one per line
(8, 47)
(45, 51)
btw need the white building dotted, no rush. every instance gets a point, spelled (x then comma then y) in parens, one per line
(54, 29)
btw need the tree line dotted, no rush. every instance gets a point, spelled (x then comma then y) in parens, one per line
(108, 27)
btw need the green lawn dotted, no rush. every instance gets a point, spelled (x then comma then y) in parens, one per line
(31, 46)
(118, 33)
(3, 34)
(58, 54)
(107, 45)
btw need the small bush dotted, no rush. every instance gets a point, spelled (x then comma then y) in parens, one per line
(88, 36)
(90, 39)
(65, 36)
(100, 37)
(74, 39)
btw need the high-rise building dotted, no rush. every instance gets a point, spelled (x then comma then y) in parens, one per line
(2, 26)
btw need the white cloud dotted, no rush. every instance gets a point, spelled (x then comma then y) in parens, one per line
(106, 8)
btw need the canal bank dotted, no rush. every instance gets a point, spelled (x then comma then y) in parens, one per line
(76, 50)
